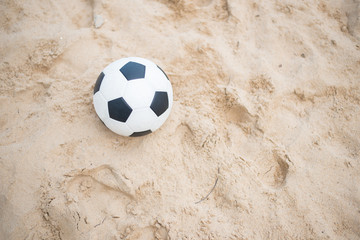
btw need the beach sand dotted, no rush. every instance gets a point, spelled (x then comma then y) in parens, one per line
(262, 141)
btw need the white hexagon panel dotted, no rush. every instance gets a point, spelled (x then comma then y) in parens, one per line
(139, 93)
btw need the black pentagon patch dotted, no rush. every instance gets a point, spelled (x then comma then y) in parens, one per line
(133, 70)
(139, 134)
(98, 82)
(160, 103)
(163, 72)
(119, 109)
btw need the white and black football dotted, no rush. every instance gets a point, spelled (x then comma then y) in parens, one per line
(133, 96)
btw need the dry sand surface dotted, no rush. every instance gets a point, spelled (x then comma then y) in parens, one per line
(266, 104)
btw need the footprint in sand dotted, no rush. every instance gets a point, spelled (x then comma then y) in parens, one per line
(98, 203)
(275, 169)
(93, 200)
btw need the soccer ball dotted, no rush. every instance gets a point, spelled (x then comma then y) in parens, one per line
(133, 96)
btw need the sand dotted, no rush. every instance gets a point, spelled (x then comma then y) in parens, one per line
(266, 105)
